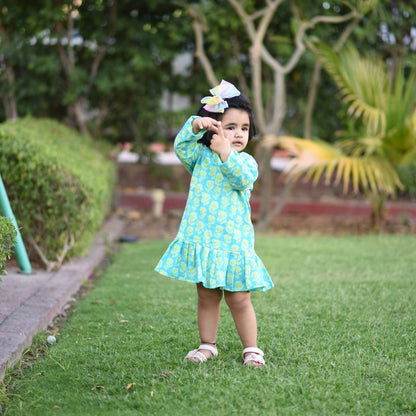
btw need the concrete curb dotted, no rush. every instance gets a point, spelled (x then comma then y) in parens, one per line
(29, 303)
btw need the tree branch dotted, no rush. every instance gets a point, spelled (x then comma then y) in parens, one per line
(200, 50)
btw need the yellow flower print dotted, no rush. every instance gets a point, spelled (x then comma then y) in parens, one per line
(245, 245)
(205, 164)
(225, 202)
(219, 179)
(206, 197)
(227, 238)
(222, 217)
(198, 189)
(202, 212)
(216, 244)
(207, 236)
(210, 185)
(199, 227)
(212, 283)
(236, 171)
(213, 207)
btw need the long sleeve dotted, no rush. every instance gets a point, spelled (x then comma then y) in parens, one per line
(240, 170)
(186, 147)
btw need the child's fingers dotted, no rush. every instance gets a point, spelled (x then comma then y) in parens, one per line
(208, 123)
(219, 129)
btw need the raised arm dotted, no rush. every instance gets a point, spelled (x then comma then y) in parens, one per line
(240, 169)
(186, 147)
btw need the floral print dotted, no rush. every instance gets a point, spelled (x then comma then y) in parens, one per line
(215, 242)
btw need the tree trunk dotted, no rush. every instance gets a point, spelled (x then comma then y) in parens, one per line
(266, 185)
(378, 216)
(263, 223)
(7, 92)
(76, 112)
(313, 90)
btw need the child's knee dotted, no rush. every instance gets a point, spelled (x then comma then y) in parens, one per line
(237, 300)
(208, 295)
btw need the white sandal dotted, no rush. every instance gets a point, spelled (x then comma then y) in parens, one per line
(199, 356)
(254, 355)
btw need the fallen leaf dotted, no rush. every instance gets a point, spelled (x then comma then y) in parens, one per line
(130, 385)
(98, 388)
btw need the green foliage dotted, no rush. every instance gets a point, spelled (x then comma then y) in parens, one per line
(382, 137)
(59, 183)
(7, 239)
(407, 175)
(337, 330)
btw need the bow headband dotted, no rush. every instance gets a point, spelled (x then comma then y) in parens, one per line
(217, 103)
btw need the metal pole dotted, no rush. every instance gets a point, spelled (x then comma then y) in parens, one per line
(19, 247)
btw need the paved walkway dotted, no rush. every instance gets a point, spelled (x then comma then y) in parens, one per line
(29, 303)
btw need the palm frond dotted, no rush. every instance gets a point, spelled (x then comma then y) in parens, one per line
(401, 100)
(361, 146)
(363, 84)
(314, 160)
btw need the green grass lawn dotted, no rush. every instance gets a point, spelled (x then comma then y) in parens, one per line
(338, 331)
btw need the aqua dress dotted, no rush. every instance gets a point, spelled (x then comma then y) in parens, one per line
(215, 242)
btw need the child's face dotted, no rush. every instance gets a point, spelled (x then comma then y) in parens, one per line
(235, 126)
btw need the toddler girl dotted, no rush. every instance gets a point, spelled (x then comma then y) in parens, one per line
(214, 247)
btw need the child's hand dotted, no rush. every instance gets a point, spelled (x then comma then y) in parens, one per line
(205, 123)
(220, 144)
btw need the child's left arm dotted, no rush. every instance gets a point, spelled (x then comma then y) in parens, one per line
(240, 169)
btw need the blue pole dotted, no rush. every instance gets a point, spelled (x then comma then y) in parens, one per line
(19, 246)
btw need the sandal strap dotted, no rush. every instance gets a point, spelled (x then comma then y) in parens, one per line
(254, 350)
(254, 358)
(196, 354)
(210, 348)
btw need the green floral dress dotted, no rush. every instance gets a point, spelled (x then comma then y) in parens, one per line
(215, 242)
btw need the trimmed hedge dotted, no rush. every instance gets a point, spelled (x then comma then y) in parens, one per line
(60, 185)
(8, 236)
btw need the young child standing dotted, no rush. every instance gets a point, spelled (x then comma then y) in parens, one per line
(214, 247)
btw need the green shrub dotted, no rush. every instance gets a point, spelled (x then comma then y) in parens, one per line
(59, 183)
(407, 175)
(7, 239)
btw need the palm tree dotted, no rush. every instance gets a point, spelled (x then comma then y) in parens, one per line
(383, 139)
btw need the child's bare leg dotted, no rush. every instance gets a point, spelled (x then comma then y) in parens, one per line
(208, 315)
(245, 321)
(244, 316)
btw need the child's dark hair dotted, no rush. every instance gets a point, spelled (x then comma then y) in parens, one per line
(241, 102)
